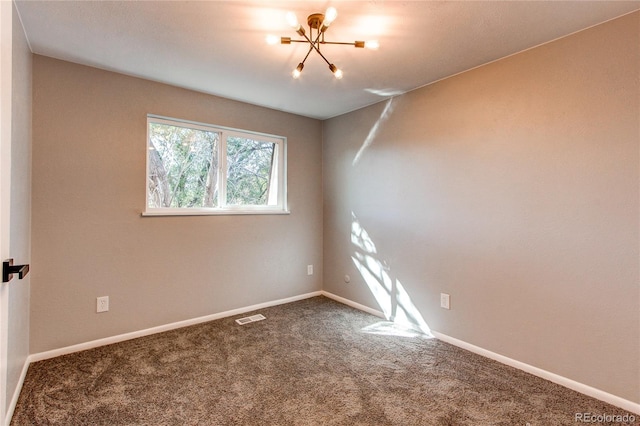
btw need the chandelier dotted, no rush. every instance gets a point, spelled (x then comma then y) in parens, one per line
(318, 25)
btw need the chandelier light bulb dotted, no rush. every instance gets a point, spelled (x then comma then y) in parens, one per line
(337, 72)
(296, 73)
(292, 20)
(372, 44)
(272, 39)
(329, 16)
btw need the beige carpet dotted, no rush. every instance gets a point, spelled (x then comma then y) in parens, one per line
(313, 362)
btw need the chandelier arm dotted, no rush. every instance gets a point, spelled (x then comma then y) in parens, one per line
(337, 42)
(320, 53)
(313, 46)
(307, 55)
(317, 40)
(308, 40)
(323, 42)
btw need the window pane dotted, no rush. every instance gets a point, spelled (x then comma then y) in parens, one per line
(251, 172)
(183, 167)
(200, 169)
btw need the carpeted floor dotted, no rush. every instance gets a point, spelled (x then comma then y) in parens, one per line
(312, 362)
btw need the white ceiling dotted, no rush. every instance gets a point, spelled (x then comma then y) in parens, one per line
(218, 47)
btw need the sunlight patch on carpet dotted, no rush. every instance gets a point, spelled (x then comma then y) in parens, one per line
(388, 328)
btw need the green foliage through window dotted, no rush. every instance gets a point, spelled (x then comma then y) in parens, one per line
(195, 166)
(249, 168)
(183, 167)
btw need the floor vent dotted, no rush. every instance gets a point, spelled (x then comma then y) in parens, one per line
(252, 318)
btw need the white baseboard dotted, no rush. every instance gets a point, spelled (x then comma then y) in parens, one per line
(625, 404)
(159, 329)
(353, 304)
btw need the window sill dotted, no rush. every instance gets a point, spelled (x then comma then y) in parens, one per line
(212, 212)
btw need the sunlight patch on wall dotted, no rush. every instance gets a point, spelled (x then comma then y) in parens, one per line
(390, 294)
(360, 238)
(385, 93)
(386, 113)
(378, 285)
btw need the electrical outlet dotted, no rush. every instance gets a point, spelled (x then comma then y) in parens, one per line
(309, 269)
(102, 304)
(445, 301)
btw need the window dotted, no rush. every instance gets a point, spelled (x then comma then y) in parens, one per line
(195, 168)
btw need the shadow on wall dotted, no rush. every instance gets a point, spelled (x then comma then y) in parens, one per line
(403, 317)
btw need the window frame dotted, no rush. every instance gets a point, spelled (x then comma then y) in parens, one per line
(223, 208)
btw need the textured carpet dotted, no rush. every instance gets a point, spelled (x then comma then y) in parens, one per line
(312, 362)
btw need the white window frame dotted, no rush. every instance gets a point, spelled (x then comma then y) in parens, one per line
(279, 173)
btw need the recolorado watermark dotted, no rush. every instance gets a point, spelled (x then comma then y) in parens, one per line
(604, 418)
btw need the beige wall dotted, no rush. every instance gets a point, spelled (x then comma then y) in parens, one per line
(20, 238)
(89, 240)
(514, 188)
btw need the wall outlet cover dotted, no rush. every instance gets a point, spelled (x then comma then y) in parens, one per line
(102, 304)
(445, 301)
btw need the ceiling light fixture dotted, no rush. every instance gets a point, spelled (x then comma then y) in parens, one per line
(318, 25)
